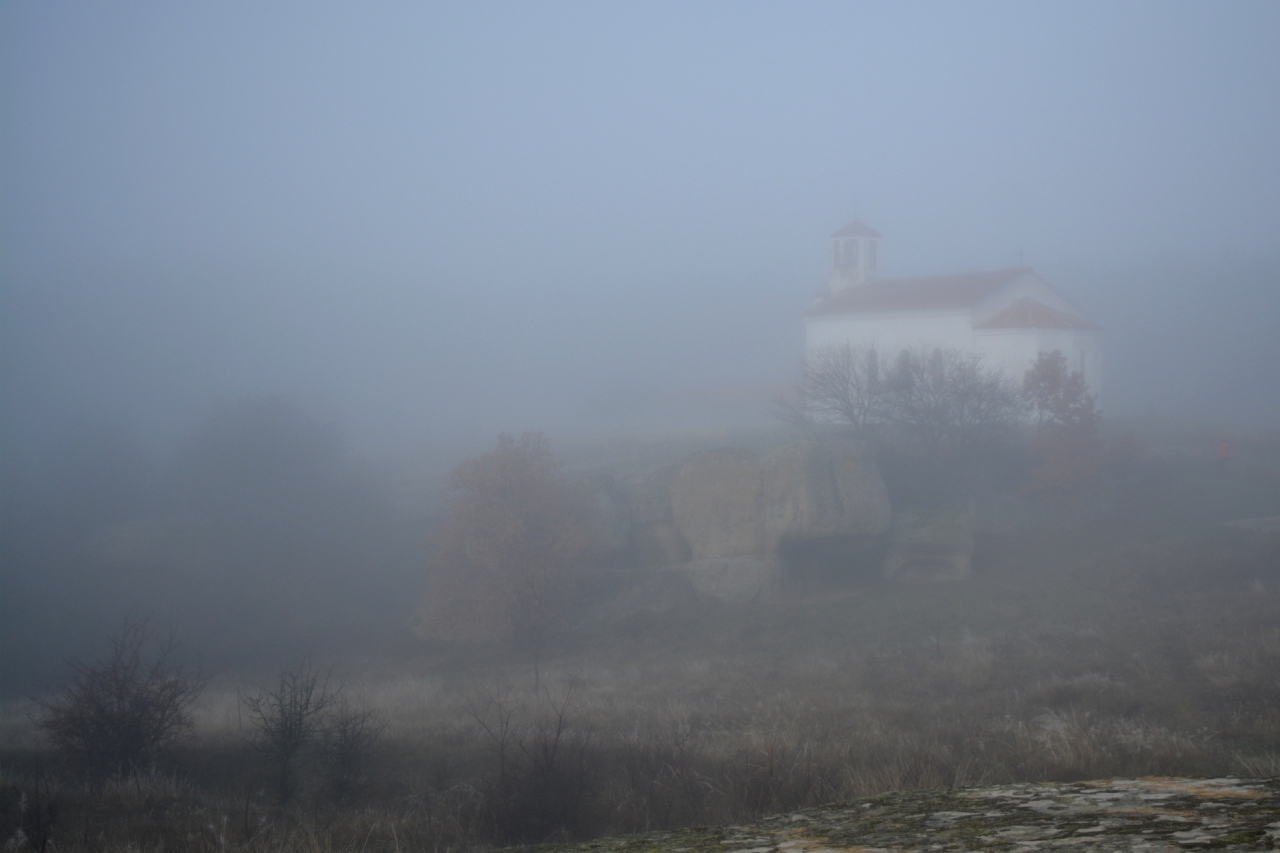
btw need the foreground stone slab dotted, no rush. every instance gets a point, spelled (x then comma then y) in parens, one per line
(1152, 814)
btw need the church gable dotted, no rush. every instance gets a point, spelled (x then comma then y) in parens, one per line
(1026, 287)
(1008, 316)
(1027, 313)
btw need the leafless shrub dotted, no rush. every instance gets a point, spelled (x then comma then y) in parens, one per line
(940, 399)
(946, 399)
(541, 790)
(120, 711)
(846, 385)
(289, 719)
(348, 740)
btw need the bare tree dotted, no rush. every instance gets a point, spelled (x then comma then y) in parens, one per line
(289, 719)
(1059, 396)
(348, 739)
(1068, 448)
(120, 711)
(940, 399)
(947, 399)
(845, 385)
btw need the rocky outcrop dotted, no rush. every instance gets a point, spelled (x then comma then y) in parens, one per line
(728, 518)
(929, 546)
(814, 490)
(734, 509)
(1113, 815)
(717, 503)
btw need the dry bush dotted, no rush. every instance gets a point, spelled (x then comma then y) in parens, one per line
(947, 400)
(289, 719)
(1068, 448)
(844, 385)
(349, 738)
(938, 400)
(542, 788)
(122, 710)
(510, 556)
(1264, 766)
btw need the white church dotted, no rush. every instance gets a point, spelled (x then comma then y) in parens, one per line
(1009, 315)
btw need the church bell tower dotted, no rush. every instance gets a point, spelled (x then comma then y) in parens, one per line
(854, 256)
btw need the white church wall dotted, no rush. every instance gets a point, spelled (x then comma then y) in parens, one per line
(1015, 350)
(890, 333)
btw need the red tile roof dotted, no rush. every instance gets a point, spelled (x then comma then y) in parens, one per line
(857, 229)
(934, 293)
(1027, 313)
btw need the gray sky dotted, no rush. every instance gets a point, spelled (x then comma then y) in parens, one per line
(431, 219)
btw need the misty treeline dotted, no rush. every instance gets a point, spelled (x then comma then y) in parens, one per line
(946, 424)
(261, 534)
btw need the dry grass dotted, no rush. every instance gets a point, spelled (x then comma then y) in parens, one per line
(1108, 652)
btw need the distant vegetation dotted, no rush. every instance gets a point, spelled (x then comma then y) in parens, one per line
(511, 551)
(261, 532)
(1142, 639)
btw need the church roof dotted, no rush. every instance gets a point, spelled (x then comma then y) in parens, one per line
(857, 229)
(932, 293)
(1027, 313)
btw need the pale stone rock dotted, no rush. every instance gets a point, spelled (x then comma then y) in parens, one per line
(716, 503)
(814, 490)
(1107, 815)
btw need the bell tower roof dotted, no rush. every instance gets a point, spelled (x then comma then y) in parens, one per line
(857, 229)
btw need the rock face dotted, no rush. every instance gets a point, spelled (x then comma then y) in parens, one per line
(716, 503)
(813, 490)
(929, 546)
(726, 517)
(1152, 814)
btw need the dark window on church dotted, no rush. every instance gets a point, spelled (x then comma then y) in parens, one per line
(871, 257)
(849, 260)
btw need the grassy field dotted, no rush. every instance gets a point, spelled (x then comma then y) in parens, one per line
(1147, 642)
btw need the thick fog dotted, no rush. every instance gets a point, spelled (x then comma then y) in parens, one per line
(415, 225)
(450, 220)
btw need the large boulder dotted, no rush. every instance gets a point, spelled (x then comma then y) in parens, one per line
(731, 511)
(717, 504)
(929, 546)
(814, 490)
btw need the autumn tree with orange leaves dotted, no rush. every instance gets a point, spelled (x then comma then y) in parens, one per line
(1068, 448)
(510, 554)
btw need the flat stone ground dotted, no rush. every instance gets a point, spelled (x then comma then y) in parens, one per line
(1157, 813)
